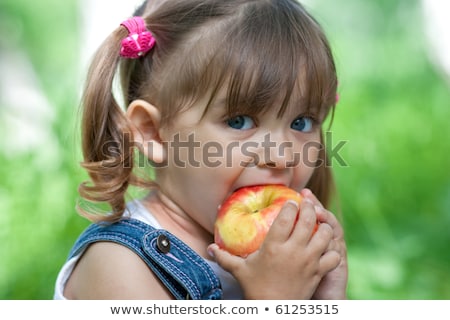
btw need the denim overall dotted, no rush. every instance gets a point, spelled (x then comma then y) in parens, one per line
(183, 272)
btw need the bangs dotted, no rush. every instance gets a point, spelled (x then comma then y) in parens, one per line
(273, 60)
(268, 55)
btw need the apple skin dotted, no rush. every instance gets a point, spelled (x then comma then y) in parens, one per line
(245, 217)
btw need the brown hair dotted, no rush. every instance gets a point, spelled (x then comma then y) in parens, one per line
(261, 51)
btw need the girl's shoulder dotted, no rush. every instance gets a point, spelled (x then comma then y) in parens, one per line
(109, 270)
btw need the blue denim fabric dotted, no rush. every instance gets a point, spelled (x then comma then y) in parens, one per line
(183, 272)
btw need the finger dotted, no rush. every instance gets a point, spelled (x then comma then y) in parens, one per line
(322, 240)
(329, 261)
(325, 216)
(284, 223)
(333, 246)
(225, 259)
(307, 193)
(306, 222)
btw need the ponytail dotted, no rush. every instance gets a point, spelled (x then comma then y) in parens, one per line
(106, 135)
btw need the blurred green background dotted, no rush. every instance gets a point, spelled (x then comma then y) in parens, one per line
(394, 116)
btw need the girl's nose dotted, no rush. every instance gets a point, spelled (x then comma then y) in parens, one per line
(276, 152)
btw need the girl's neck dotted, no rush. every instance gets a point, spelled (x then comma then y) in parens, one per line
(173, 219)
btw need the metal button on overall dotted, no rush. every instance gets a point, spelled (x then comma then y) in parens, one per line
(163, 243)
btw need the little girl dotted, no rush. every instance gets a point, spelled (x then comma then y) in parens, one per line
(220, 95)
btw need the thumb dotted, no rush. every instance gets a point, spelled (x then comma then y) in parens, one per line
(225, 259)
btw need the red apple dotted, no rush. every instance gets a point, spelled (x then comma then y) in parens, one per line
(245, 217)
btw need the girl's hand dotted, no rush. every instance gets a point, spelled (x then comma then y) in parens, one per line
(291, 261)
(334, 284)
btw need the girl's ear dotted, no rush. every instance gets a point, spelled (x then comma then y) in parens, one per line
(145, 119)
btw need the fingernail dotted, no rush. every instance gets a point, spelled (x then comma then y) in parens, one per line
(308, 200)
(306, 192)
(210, 252)
(318, 209)
(293, 203)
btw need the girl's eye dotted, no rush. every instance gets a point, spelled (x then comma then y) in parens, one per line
(303, 124)
(241, 123)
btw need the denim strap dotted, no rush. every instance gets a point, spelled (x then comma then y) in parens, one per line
(183, 271)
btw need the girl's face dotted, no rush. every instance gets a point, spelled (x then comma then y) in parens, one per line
(210, 155)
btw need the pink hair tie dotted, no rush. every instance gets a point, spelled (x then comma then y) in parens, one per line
(139, 40)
